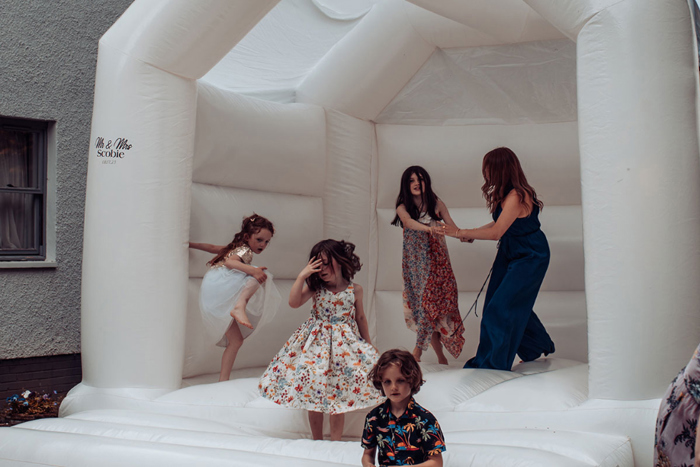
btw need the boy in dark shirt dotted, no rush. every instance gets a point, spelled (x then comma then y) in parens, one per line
(399, 431)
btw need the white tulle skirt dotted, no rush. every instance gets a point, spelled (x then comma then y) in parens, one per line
(221, 288)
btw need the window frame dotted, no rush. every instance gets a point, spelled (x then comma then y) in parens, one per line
(44, 254)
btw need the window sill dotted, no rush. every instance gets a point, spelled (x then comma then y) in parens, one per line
(28, 264)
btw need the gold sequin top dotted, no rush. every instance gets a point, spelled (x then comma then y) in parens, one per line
(244, 252)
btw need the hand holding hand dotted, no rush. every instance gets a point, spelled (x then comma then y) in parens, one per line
(437, 230)
(313, 266)
(259, 275)
(448, 230)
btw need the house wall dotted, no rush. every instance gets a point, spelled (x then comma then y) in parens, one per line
(48, 52)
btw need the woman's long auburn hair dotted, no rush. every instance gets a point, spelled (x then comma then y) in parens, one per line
(406, 198)
(250, 226)
(503, 173)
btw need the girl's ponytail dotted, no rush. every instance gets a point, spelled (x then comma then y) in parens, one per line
(250, 226)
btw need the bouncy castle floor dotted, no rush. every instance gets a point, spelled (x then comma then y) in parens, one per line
(539, 414)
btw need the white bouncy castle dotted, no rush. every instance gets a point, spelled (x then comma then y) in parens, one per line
(307, 112)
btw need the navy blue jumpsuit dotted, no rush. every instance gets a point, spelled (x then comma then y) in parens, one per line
(509, 325)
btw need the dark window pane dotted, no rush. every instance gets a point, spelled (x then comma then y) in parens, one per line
(18, 166)
(22, 189)
(20, 218)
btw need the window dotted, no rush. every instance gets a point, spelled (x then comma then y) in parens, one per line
(23, 167)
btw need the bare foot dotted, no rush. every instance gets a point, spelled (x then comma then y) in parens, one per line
(238, 313)
(442, 360)
(417, 352)
(437, 347)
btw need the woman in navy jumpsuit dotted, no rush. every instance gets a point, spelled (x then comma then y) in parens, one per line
(509, 325)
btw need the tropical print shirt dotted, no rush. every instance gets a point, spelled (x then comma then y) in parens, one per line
(409, 439)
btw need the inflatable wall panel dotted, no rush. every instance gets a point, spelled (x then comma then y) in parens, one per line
(350, 194)
(250, 143)
(453, 154)
(217, 213)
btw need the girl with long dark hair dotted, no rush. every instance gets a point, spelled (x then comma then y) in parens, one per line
(509, 325)
(430, 289)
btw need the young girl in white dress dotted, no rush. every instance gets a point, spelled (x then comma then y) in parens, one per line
(324, 366)
(236, 299)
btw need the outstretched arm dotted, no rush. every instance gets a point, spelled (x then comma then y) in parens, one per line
(208, 247)
(300, 292)
(471, 240)
(360, 317)
(445, 214)
(408, 222)
(512, 209)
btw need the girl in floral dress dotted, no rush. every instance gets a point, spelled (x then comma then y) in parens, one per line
(323, 367)
(675, 442)
(430, 289)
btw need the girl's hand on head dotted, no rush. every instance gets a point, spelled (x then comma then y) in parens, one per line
(259, 275)
(313, 266)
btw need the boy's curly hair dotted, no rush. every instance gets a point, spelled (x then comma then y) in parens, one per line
(407, 364)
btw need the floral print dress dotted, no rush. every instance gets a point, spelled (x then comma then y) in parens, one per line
(323, 367)
(430, 289)
(676, 425)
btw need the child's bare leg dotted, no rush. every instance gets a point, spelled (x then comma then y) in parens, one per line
(417, 353)
(437, 346)
(238, 313)
(337, 423)
(235, 341)
(316, 424)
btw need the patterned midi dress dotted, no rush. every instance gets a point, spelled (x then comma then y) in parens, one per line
(676, 425)
(430, 289)
(323, 367)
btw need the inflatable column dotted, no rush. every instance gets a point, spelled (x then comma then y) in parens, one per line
(640, 178)
(134, 285)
